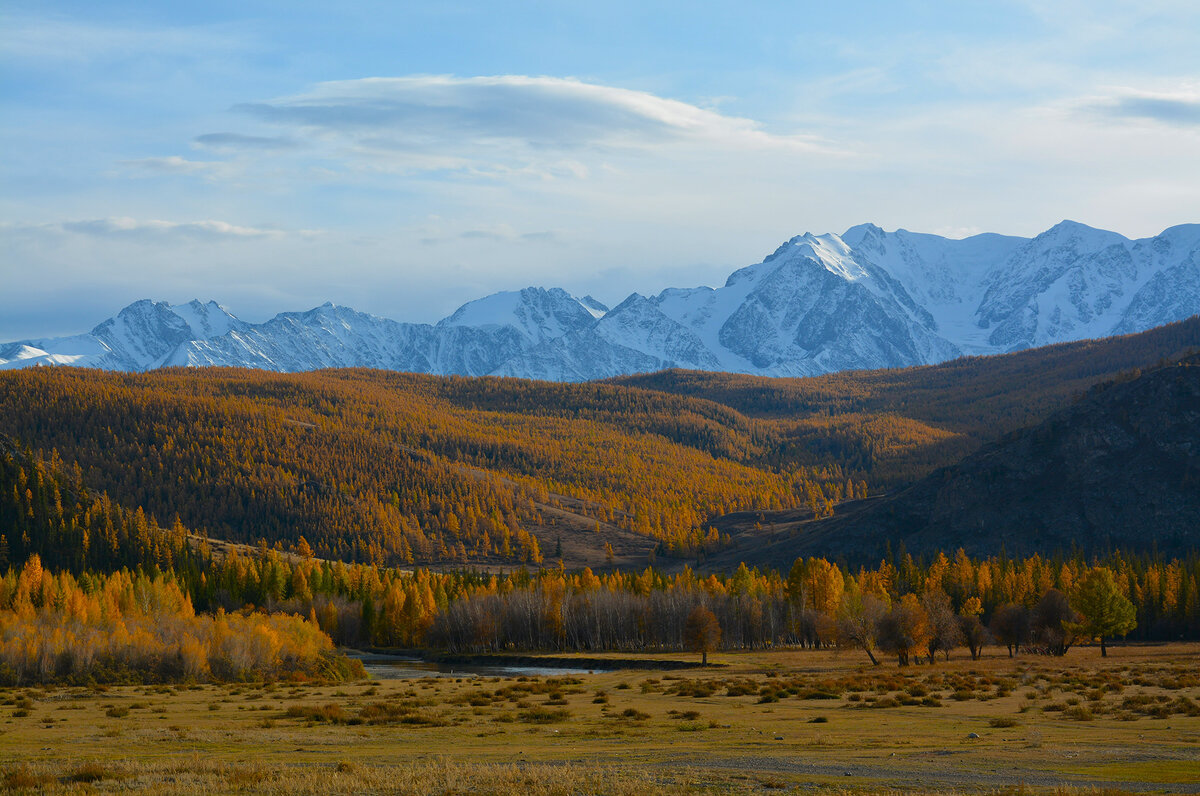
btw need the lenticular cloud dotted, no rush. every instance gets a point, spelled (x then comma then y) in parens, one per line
(542, 112)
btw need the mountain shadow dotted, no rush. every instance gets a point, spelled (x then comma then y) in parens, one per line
(1119, 469)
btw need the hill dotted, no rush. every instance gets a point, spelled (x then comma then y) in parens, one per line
(391, 468)
(891, 427)
(1119, 469)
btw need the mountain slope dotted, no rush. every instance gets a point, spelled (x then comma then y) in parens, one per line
(1120, 469)
(142, 336)
(892, 427)
(397, 468)
(867, 299)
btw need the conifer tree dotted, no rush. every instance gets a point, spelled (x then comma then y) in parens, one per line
(1106, 611)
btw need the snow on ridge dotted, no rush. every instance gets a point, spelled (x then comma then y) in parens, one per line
(865, 299)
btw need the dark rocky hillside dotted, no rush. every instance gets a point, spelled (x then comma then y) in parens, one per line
(1118, 469)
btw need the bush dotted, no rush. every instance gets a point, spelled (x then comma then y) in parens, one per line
(90, 772)
(22, 778)
(545, 715)
(331, 713)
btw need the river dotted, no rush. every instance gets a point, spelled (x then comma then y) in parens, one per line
(398, 667)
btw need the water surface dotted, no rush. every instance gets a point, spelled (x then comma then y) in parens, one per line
(400, 667)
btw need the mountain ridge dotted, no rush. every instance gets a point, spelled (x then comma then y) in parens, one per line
(866, 299)
(1118, 469)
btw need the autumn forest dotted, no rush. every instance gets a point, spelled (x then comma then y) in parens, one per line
(229, 524)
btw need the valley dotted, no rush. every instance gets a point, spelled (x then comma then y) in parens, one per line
(751, 722)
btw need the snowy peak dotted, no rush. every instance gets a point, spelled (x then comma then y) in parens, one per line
(536, 313)
(868, 298)
(1081, 234)
(206, 320)
(596, 308)
(144, 334)
(827, 251)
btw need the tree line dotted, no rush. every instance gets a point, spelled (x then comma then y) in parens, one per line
(903, 606)
(133, 627)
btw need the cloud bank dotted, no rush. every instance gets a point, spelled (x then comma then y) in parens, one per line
(437, 112)
(1179, 108)
(150, 229)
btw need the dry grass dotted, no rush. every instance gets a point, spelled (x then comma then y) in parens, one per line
(770, 720)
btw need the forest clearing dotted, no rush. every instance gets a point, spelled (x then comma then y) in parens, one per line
(768, 721)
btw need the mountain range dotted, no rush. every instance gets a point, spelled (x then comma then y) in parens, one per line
(865, 299)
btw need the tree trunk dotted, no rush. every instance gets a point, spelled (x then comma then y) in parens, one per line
(704, 657)
(1103, 649)
(872, 657)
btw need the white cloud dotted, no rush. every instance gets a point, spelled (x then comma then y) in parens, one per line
(174, 164)
(151, 229)
(56, 40)
(443, 114)
(494, 233)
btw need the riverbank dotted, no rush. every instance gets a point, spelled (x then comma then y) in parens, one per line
(595, 663)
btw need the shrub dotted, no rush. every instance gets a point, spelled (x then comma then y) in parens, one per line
(545, 715)
(331, 713)
(90, 772)
(22, 778)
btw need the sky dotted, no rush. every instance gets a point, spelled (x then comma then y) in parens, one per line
(402, 158)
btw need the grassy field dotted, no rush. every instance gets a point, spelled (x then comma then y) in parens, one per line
(758, 722)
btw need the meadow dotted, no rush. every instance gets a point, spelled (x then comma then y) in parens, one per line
(754, 722)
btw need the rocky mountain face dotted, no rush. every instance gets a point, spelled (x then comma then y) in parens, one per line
(820, 303)
(1120, 469)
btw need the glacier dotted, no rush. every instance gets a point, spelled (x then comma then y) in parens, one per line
(864, 299)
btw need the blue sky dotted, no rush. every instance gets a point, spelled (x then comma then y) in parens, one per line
(403, 158)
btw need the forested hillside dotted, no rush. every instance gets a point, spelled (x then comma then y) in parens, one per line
(390, 468)
(123, 604)
(892, 427)
(93, 591)
(1117, 470)
(49, 512)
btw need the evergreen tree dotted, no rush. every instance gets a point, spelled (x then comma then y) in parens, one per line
(1106, 611)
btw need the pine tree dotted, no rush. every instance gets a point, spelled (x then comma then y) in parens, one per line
(1106, 611)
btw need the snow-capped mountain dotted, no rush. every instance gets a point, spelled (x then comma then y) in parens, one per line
(478, 338)
(819, 303)
(142, 336)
